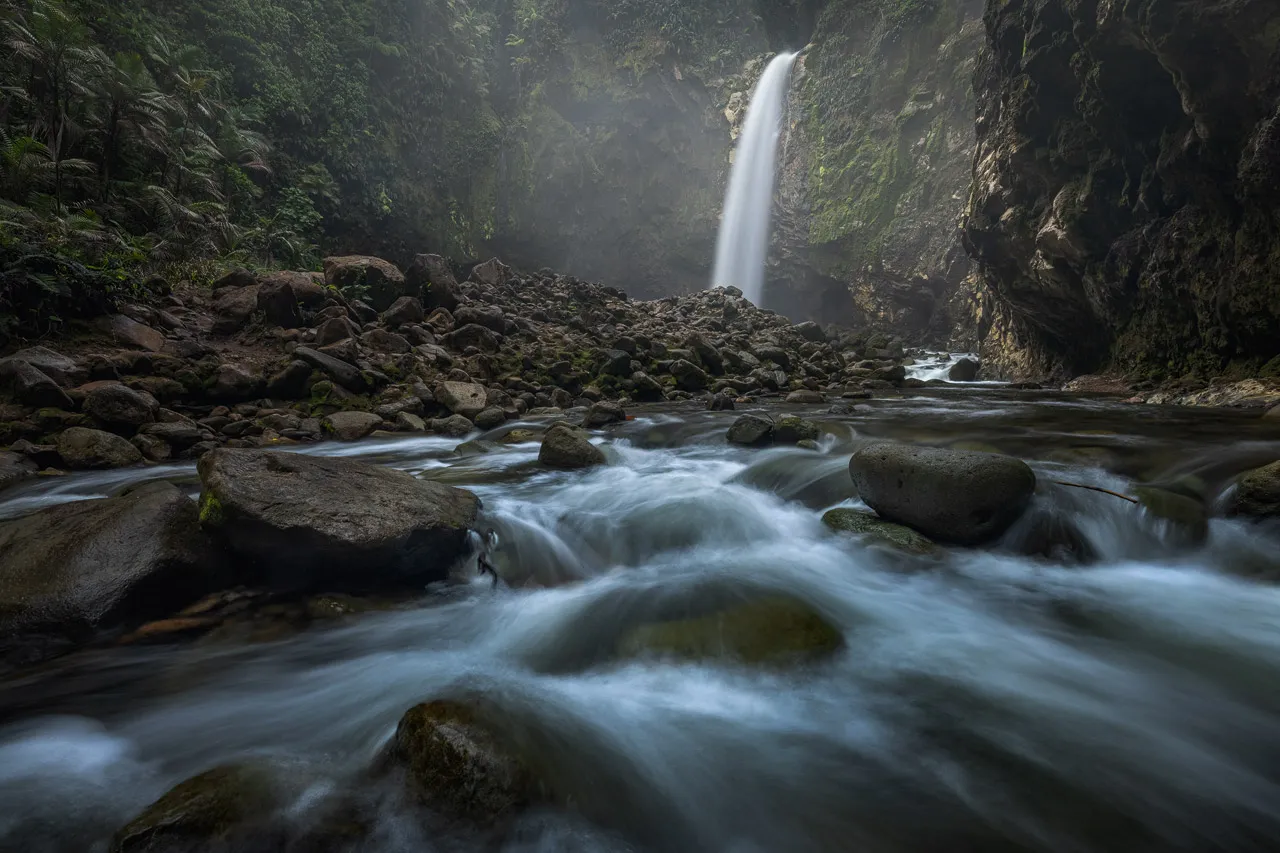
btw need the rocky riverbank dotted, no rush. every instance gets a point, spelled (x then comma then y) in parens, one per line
(281, 358)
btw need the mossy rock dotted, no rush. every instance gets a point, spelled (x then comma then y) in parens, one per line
(219, 805)
(520, 436)
(1186, 514)
(456, 766)
(793, 430)
(879, 532)
(770, 631)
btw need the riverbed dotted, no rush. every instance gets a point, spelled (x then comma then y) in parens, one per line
(1119, 694)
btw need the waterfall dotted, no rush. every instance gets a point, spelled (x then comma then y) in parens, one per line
(744, 230)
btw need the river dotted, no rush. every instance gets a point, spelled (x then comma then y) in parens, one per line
(983, 700)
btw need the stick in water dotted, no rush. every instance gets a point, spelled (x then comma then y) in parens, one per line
(1096, 489)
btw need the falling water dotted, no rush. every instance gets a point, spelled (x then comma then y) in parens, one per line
(744, 231)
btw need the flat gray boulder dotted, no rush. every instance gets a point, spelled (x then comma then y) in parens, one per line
(350, 426)
(309, 522)
(462, 398)
(952, 496)
(75, 568)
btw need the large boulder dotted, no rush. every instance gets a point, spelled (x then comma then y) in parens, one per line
(81, 447)
(58, 367)
(74, 568)
(307, 522)
(31, 386)
(964, 370)
(350, 426)
(688, 376)
(475, 335)
(430, 279)
(492, 272)
(462, 398)
(489, 316)
(130, 333)
(278, 303)
(949, 495)
(455, 765)
(1257, 493)
(405, 310)
(360, 275)
(120, 405)
(568, 448)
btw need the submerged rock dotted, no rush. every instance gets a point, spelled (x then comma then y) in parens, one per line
(949, 495)
(566, 447)
(74, 568)
(1186, 514)
(775, 629)
(455, 766)
(305, 521)
(878, 531)
(1257, 493)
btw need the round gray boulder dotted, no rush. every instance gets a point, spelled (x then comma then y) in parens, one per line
(949, 495)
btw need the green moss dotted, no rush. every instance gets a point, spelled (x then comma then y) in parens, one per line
(877, 531)
(211, 514)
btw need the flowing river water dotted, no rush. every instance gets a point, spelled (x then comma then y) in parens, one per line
(983, 700)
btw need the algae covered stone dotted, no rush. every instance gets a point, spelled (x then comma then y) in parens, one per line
(878, 531)
(456, 766)
(772, 629)
(1186, 515)
(1257, 493)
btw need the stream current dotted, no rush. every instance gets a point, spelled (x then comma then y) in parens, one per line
(983, 700)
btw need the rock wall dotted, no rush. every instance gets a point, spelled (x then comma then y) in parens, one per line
(1124, 207)
(877, 166)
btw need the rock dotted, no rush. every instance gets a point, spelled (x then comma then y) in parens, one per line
(430, 279)
(277, 302)
(235, 278)
(230, 807)
(409, 422)
(312, 522)
(81, 447)
(720, 403)
(454, 426)
(792, 430)
(878, 531)
(356, 274)
(616, 363)
(474, 335)
(1187, 515)
(492, 272)
(130, 333)
(404, 311)
(55, 365)
(462, 398)
(346, 375)
(489, 316)
(14, 468)
(602, 414)
(180, 435)
(78, 567)
(805, 397)
(456, 766)
(751, 431)
(811, 331)
(333, 330)
(964, 370)
(771, 630)
(119, 405)
(380, 340)
(710, 357)
(1257, 493)
(491, 418)
(29, 385)
(233, 308)
(648, 389)
(568, 448)
(350, 426)
(689, 377)
(891, 373)
(308, 292)
(234, 383)
(949, 495)
(290, 383)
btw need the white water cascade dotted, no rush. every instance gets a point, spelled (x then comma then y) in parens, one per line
(744, 230)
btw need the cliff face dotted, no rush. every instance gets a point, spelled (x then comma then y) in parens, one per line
(877, 166)
(1124, 205)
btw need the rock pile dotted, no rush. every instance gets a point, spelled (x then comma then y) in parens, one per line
(287, 357)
